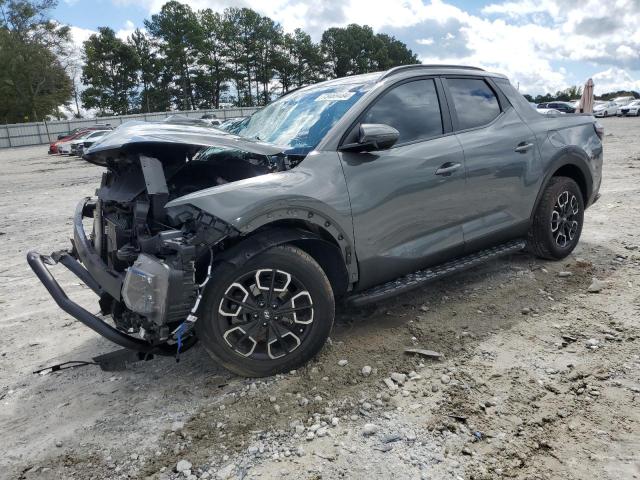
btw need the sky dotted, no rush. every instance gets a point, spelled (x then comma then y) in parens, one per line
(541, 45)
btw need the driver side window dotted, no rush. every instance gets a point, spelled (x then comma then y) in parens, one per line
(411, 108)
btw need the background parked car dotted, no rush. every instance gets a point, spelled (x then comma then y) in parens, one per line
(90, 141)
(605, 109)
(211, 120)
(74, 134)
(632, 108)
(564, 107)
(549, 111)
(68, 147)
(77, 146)
(621, 102)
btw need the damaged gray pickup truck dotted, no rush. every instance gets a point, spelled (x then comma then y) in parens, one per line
(353, 189)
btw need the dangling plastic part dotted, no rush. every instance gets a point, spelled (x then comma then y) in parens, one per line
(179, 332)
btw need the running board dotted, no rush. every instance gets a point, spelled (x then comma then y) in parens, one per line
(421, 277)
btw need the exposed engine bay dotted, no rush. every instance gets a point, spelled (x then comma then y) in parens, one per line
(163, 255)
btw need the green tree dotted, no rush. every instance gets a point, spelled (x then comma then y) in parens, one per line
(392, 52)
(269, 38)
(177, 32)
(356, 49)
(153, 90)
(33, 81)
(146, 66)
(299, 61)
(240, 29)
(109, 73)
(212, 58)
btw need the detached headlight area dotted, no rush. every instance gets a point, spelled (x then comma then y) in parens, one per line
(147, 285)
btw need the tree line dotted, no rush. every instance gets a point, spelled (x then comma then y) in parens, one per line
(191, 59)
(574, 93)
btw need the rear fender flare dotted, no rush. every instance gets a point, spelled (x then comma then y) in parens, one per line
(567, 156)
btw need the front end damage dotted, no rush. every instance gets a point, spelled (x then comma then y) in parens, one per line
(149, 264)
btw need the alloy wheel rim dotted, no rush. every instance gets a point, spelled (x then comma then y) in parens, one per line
(265, 314)
(564, 219)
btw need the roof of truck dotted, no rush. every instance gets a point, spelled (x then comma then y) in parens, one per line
(408, 70)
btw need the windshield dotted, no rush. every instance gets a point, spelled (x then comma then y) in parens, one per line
(299, 120)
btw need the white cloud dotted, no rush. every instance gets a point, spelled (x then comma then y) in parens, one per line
(520, 8)
(614, 79)
(126, 31)
(80, 35)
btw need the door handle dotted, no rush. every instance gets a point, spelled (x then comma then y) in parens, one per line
(447, 169)
(523, 147)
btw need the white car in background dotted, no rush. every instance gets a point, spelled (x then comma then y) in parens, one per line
(549, 111)
(77, 146)
(64, 148)
(631, 109)
(605, 109)
(621, 102)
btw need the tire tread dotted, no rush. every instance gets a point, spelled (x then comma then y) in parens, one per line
(537, 240)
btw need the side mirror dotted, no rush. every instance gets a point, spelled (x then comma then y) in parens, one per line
(60, 137)
(372, 137)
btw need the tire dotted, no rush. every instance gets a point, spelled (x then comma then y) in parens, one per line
(557, 221)
(261, 338)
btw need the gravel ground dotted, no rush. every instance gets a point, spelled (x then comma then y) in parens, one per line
(539, 379)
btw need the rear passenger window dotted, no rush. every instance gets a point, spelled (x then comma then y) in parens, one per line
(475, 102)
(411, 108)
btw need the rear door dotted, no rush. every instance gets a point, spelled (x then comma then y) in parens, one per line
(407, 202)
(501, 159)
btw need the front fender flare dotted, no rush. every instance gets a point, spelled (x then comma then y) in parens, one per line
(270, 237)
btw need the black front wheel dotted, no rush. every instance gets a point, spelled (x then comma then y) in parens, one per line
(558, 219)
(269, 316)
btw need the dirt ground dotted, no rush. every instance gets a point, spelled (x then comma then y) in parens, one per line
(539, 380)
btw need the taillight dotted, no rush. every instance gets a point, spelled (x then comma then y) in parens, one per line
(599, 130)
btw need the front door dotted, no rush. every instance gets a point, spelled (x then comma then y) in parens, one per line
(407, 202)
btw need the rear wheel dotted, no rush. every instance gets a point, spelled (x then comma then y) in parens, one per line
(269, 316)
(557, 222)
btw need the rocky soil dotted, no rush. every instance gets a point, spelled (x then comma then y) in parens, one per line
(539, 374)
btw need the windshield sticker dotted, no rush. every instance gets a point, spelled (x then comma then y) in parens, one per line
(334, 96)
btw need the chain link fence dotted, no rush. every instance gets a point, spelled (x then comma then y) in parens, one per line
(38, 133)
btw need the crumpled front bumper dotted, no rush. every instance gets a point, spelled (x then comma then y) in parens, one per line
(97, 276)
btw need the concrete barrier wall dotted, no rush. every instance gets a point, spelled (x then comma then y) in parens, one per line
(37, 133)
